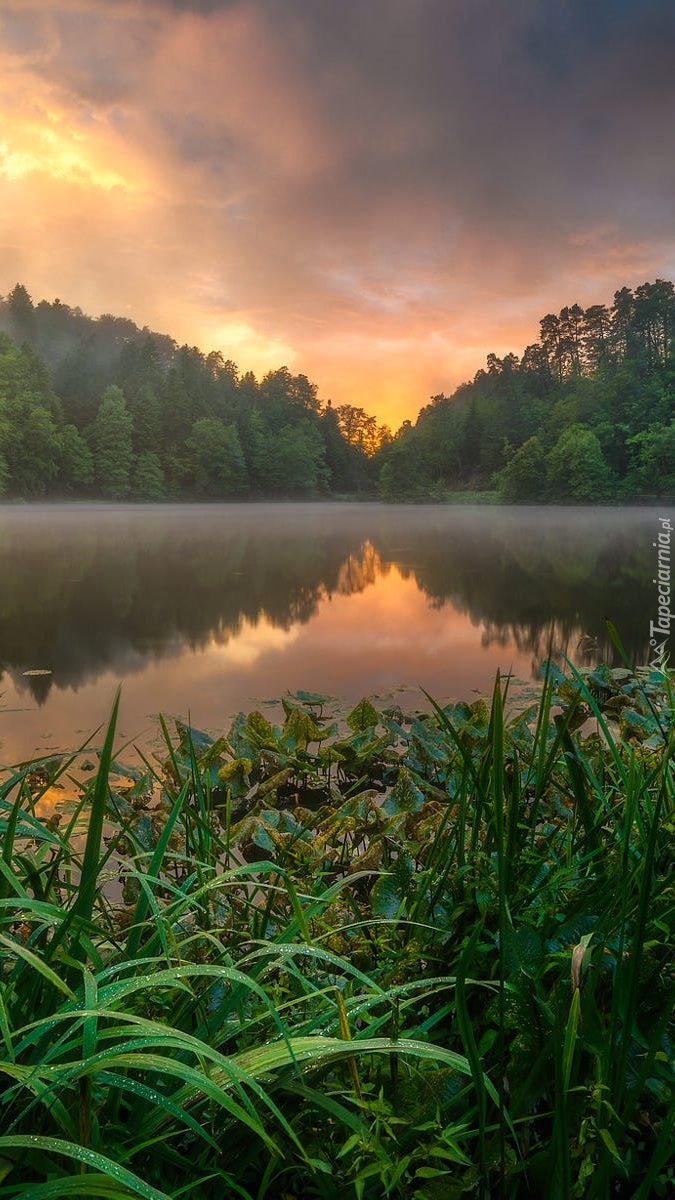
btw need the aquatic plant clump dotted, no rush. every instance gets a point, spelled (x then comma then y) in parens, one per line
(424, 955)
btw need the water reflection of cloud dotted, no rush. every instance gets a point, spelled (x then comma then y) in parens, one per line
(249, 644)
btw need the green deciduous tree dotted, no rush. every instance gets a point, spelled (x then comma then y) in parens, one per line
(218, 466)
(37, 453)
(30, 417)
(654, 459)
(76, 466)
(576, 468)
(148, 477)
(404, 474)
(296, 461)
(524, 476)
(344, 475)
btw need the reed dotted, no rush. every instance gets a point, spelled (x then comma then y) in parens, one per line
(411, 959)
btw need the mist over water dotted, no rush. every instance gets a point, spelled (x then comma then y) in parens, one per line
(206, 609)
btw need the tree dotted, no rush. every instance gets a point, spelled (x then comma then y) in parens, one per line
(524, 476)
(280, 391)
(30, 416)
(358, 428)
(549, 337)
(297, 460)
(339, 455)
(654, 463)
(654, 320)
(76, 467)
(576, 468)
(596, 337)
(217, 459)
(21, 312)
(623, 310)
(109, 437)
(148, 483)
(471, 438)
(145, 411)
(80, 378)
(36, 465)
(255, 441)
(404, 474)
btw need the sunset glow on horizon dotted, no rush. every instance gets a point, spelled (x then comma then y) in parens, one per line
(376, 195)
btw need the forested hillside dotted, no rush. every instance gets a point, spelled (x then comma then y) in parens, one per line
(99, 407)
(587, 413)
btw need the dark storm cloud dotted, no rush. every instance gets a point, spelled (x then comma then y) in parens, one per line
(497, 108)
(198, 6)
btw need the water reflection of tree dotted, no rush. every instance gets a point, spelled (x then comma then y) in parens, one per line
(100, 594)
(559, 640)
(360, 570)
(82, 592)
(559, 576)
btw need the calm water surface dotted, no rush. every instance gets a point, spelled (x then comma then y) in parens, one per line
(201, 610)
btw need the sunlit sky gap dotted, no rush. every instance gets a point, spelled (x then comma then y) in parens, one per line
(376, 194)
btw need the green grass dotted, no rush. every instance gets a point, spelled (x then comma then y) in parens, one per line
(421, 959)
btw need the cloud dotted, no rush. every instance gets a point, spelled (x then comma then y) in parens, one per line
(379, 190)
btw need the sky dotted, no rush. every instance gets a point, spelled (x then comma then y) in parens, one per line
(373, 193)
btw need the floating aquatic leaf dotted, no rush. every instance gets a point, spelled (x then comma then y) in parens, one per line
(238, 768)
(314, 698)
(633, 724)
(300, 729)
(363, 716)
(405, 796)
(260, 730)
(190, 739)
(274, 782)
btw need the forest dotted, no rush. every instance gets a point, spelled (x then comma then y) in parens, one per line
(587, 414)
(96, 407)
(100, 408)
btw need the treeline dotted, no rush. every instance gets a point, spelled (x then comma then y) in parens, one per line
(587, 413)
(99, 407)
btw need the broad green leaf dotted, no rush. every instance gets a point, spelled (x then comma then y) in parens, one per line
(391, 891)
(363, 716)
(405, 796)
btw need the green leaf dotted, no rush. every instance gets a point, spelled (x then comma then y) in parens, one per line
(405, 796)
(300, 729)
(612, 1147)
(363, 717)
(313, 698)
(523, 950)
(570, 1039)
(260, 731)
(633, 724)
(37, 963)
(105, 1165)
(193, 741)
(390, 891)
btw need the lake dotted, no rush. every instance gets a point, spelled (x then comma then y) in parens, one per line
(201, 610)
